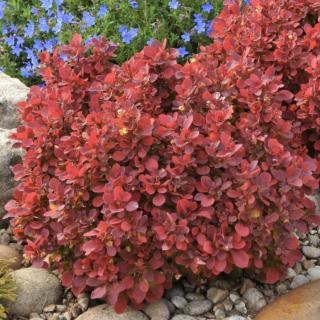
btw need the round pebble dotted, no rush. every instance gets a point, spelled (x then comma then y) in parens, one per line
(198, 307)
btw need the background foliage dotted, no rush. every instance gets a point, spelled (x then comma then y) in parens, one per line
(28, 27)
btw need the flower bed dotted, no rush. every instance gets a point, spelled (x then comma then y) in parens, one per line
(27, 28)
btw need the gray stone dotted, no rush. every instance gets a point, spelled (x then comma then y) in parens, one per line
(314, 240)
(241, 307)
(36, 288)
(174, 291)
(234, 297)
(192, 296)
(298, 281)
(236, 318)
(255, 299)
(197, 307)
(183, 317)
(220, 314)
(11, 92)
(314, 273)
(291, 273)
(217, 295)
(179, 302)
(157, 310)
(311, 252)
(8, 158)
(106, 312)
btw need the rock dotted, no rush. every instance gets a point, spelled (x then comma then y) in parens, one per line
(291, 273)
(228, 305)
(10, 255)
(241, 307)
(220, 314)
(4, 237)
(234, 297)
(308, 264)
(179, 302)
(36, 288)
(235, 318)
(281, 288)
(192, 296)
(11, 92)
(174, 291)
(8, 158)
(157, 310)
(314, 240)
(183, 317)
(198, 307)
(314, 273)
(49, 308)
(83, 301)
(302, 303)
(298, 268)
(255, 299)
(247, 283)
(106, 312)
(298, 281)
(311, 252)
(217, 295)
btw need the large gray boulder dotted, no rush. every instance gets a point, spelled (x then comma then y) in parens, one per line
(106, 312)
(36, 288)
(8, 157)
(11, 92)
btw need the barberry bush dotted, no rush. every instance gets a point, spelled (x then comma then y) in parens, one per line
(137, 174)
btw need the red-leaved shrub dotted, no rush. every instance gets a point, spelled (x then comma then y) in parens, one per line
(137, 174)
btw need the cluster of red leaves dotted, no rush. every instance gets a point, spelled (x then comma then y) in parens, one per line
(139, 173)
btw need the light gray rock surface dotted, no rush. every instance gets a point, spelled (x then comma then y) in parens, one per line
(105, 312)
(36, 288)
(8, 157)
(11, 91)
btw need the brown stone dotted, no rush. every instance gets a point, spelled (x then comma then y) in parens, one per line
(302, 303)
(10, 255)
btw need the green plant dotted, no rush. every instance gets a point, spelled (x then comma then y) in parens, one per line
(30, 27)
(7, 287)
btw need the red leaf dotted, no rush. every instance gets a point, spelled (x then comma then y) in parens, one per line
(132, 206)
(99, 293)
(159, 200)
(242, 230)
(240, 258)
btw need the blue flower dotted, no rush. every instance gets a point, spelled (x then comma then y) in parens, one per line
(128, 34)
(25, 71)
(66, 17)
(2, 7)
(89, 40)
(59, 2)
(150, 42)
(58, 27)
(88, 19)
(186, 36)
(46, 4)
(209, 28)
(183, 51)
(4, 29)
(49, 44)
(207, 7)
(134, 4)
(16, 50)
(29, 30)
(20, 40)
(34, 11)
(38, 45)
(43, 25)
(200, 23)
(247, 1)
(9, 41)
(13, 28)
(103, 10)
(174, 4)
